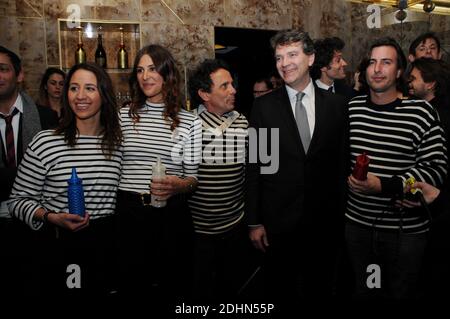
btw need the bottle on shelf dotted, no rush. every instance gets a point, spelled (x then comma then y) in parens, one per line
(80, 53)
(122, 55)
(100, 54)
(119, 98)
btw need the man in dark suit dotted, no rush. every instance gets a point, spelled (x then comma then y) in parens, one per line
(295, 215)
(20, 120)
(328, 70)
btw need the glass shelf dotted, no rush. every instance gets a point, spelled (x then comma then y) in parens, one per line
(68, 39)
(110, 30)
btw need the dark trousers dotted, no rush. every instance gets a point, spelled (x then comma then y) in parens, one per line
(155, 249)
(222, 264)
(40, 260)
(81, 263)
(15, 257)
(399, 256)
(436, 280)
(299, 266)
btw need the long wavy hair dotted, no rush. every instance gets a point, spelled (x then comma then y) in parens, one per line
(109, 116)
(43, 93)
(166, 67)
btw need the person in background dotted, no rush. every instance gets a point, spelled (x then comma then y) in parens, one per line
(20, 120)
(88, 139)
(50, 90)
(328, 70)
(426, 45)
(360, 86)
(276, 80)
(262, 86)
(429, 79)
(156, 243)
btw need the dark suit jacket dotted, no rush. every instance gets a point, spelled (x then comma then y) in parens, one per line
(341, 88)
(31, 122)
(306, 192)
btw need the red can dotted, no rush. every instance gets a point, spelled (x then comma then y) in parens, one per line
(361, 167)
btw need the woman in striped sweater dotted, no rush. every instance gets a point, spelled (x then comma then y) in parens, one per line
(89, 139)
(155, 242)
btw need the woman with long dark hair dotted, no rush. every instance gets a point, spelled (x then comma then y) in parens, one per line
(155, 240)
(88, 139)
(50, 90)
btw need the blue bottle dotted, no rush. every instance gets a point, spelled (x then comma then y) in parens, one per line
(75, 194)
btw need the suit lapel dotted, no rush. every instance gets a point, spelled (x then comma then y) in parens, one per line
(320, 117)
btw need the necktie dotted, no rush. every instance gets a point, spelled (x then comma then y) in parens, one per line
(302, 121)
(330, 89)
(9, 139)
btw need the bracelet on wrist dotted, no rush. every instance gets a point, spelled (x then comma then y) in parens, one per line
(190, 186)
(45, 216)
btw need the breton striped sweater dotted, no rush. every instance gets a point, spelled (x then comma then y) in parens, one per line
(402, 139)
(144, 141)
(218, 202)
(47, 165)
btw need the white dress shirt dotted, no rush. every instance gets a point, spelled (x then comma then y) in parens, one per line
(324, 86)
(309, 101)
(15, 124)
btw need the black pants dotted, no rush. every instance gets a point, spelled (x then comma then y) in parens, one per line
(222, 264)
(300, 267)
(15, 257)
(155, 248)
(79, 263)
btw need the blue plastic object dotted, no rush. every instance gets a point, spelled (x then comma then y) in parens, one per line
(75, 194)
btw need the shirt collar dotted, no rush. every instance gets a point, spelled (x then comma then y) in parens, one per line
(202, 108)
(322, 85)
(18, 104)
(309, 91)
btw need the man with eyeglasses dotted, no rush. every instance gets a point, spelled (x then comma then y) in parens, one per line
(262, 86)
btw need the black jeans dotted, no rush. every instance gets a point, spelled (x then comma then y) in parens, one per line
(221, 264)
(399, 256)
(155, 247)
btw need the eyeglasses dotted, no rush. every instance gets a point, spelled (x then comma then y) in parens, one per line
(260, 92)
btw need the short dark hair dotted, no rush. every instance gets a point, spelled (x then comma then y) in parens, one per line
(401, 59)
(15, 60)
(200, 78)
(286, 37)
(325, 49)
(266, 80)
(433, 71)
(421, 39)
(109, 115)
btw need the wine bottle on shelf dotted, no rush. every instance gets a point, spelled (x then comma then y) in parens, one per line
(80, 53)
(100, 54)
(122, 55)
